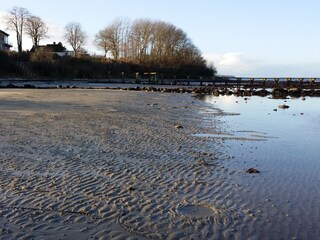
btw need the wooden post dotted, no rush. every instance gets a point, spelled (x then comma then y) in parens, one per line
(264, 80)
(137, 77)
(251, 83)
(288, 83)
(122, 76)
(312, 83)
(238, 84)
(300, 82)
(276, 83)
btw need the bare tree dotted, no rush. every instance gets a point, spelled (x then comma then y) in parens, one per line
(153, 43)
(36, 29)
(140, 39)
(101, 41)
(75, 36)
(15, 20)
(114, 38)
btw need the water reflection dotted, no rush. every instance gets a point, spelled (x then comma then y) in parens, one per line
(288, 161)
(300, 122)
(237, 135)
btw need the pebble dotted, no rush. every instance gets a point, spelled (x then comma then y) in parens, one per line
(252, 170)
(131, 188)
(283, 106)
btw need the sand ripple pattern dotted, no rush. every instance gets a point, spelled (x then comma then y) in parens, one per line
(96, 164)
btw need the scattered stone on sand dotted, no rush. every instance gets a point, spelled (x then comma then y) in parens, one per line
(283, 106)
(203, 163)
(252, 170)
(178, 126)
(249, 213)
(131, 188)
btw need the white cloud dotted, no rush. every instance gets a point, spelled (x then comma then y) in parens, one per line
(237, 64)
(232, 63)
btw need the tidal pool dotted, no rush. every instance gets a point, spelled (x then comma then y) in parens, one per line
(285, 196)
(296, 129)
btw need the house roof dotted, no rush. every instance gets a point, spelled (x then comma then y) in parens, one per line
(4, 33)
(50, 47)
(8, 45)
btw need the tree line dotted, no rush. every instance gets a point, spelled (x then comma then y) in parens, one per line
(148, 42)
(144, 42)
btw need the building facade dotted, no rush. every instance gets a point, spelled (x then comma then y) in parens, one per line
(4, 43)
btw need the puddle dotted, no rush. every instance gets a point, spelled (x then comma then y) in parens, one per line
(238, 135)
(218, 112)
(197, 211)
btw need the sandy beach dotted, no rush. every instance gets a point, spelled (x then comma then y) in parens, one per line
(106, 164)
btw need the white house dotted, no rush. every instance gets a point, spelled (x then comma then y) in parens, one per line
(55, 48)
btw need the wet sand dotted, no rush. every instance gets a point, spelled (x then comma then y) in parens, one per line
(103, 164)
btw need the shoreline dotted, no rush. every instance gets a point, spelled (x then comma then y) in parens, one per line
(280, 91)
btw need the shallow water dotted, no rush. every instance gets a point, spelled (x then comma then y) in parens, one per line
(296, 129)
(285, 195)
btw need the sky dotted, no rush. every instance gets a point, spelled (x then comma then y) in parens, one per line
(247, 38)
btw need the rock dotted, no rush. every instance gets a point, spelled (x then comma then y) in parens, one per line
(10, 85)
(131, 188)
(275, 109)
(28, 86)
(283, 106)
(252, 170)
(178, 126)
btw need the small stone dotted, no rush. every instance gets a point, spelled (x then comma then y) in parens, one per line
(252, 170)
(283, 106)
(131, 188)
(178, 126)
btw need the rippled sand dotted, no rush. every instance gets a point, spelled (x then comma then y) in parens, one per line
(97, 164)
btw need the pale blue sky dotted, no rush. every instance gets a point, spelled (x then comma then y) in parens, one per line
(243, 38)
